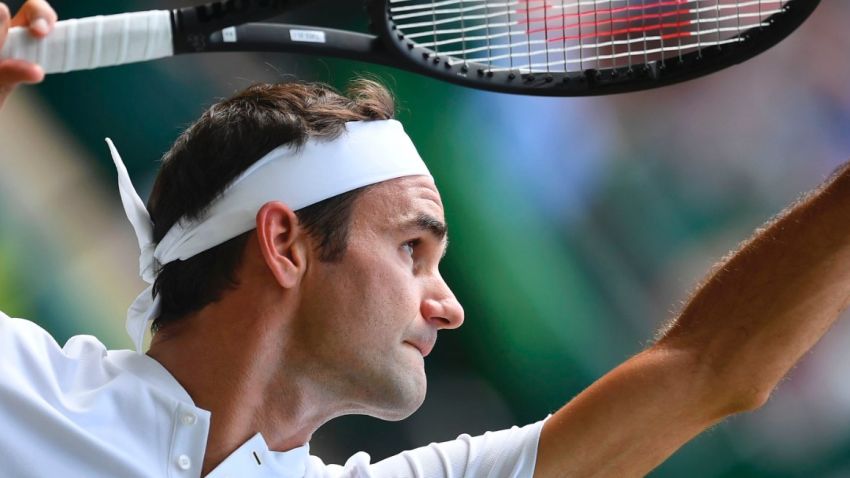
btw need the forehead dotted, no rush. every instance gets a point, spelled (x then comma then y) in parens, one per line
(398, 201)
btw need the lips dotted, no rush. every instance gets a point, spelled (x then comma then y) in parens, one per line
(424, 347)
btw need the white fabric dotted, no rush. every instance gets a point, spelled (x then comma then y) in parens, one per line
(83, 411)
(368, 152)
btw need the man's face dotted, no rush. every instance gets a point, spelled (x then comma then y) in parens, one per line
(368, 320)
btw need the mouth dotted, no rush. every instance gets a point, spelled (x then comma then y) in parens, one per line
(423, 349)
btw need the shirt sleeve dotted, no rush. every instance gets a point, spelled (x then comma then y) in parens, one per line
(508, 453)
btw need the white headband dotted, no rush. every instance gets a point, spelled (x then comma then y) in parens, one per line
(367, 153)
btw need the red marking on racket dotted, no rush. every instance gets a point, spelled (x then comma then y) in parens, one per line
(648, 16)
(621, 31)
(673, 36)
(604, 11)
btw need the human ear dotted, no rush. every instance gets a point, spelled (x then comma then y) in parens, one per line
(281, 242)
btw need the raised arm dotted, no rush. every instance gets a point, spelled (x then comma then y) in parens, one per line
(757, 313)
(40, 18)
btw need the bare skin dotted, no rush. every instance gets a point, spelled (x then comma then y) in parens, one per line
(300, 341)
(39, 17)
(739, 334)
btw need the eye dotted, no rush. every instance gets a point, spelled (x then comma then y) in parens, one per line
(410, 246)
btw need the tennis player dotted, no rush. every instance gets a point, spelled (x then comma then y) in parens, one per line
(292, 244)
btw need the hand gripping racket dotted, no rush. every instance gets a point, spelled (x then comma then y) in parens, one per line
(536, 47)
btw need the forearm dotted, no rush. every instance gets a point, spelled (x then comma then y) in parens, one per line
(630, 420)
(764, 307)
(741, 331)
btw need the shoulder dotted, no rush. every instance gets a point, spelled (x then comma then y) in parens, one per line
(30, 355)
(509, 453)
(20, 337)
(355, 467)
(117, 410)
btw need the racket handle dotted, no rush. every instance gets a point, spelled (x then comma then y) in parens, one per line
(93, 42)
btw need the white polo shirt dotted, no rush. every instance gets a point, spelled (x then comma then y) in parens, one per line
(83, 411)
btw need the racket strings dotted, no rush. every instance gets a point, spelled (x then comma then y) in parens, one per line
(561, 36)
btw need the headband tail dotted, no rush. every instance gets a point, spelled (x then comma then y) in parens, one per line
(138, 216)
(145, 307)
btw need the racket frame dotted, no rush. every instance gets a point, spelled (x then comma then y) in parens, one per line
(591, 82)
(390, 47)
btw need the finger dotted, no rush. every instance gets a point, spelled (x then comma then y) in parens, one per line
(4, 22)
(37, 15)
(14, 72)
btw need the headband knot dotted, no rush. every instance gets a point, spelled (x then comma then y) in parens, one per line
(148, 264)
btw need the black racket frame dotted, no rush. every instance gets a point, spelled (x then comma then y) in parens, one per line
(198, 29)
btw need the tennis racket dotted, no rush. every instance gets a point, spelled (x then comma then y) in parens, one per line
(536, 47)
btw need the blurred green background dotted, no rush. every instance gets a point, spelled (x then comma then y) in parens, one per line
(578, 225)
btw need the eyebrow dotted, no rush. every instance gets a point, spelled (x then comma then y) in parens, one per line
(429, 223)
(436, 227)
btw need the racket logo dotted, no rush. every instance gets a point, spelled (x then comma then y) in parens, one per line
(228, 35)
(308, 36)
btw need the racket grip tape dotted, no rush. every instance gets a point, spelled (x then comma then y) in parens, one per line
(93, 42)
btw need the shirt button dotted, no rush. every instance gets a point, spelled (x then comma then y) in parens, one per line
(184, 462)
(189, 419)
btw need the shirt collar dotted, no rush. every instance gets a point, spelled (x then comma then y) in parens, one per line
(254, 459)
(152, 372)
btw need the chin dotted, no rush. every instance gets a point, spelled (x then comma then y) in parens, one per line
(405, 398)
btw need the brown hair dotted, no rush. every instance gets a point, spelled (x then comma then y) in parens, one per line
(228, 138)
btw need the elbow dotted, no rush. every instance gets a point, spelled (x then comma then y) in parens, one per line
(736, 389)
(750, 385)
(747, 399)
(726, 387)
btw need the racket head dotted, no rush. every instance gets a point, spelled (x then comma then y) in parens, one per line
(580, 47)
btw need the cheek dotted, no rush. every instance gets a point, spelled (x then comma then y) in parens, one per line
(388, 293)
(381, 298)
(372, 295)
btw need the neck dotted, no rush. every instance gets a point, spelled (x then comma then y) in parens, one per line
(228, 357)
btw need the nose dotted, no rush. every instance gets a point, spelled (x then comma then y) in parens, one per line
(441, 308)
